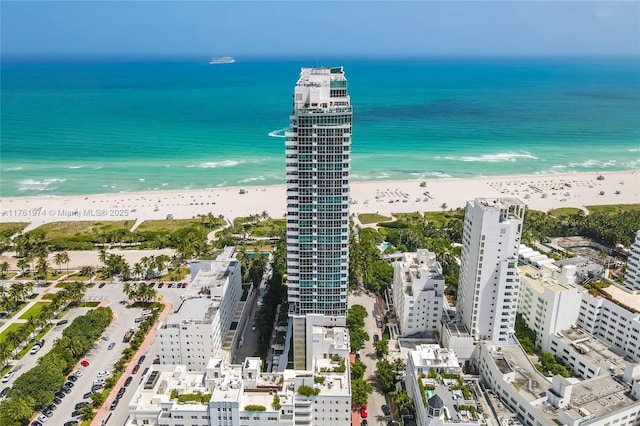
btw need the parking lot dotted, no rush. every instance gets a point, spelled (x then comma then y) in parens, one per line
(101, 357)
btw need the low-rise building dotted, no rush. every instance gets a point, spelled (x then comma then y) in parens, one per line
(433, 383)
(241, 395)
(540, 401)
(198, 329)
(418, 290)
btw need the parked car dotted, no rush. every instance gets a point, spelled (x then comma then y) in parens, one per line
(364, 422)
(72, 378)
(52, 407)
(386, 410)
(105, 337)
(139, 319)
(128, 381)
(77, 373)
(363, 411)
(71, 423)
(114, 404)
(66, 389)
(103, 373)
(111, 346)
(87, 395)
(60, 394)
(157, 360)
(101, 285)
(136, 368)
(121, 392)
(63, 322)
(4, 391)
(84, 363)
(75, 413)
(160, 285)
(43, 418)
(36, 423)
(8, 376)
(376, 337)
(79, 405)
(141, 360)
(34, 350)
(57, 400)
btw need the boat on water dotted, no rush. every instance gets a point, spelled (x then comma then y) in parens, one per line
(222, 60)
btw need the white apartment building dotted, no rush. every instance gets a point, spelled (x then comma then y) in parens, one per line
(198, 329)
(546, 305)
(615, 322)
(242, 395)
(318, 158)
(538, 401)
(443, 405)
(489, 283)
(632, 276)
(584, 355)
(418, 290)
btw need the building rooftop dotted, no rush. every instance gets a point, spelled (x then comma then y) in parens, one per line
(528, 382)
(200, 310)
(598, 396)
(592, 349)
(541, 279)
(427, 356)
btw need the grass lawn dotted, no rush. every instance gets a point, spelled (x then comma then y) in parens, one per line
(564, 211)
(51, 276)
(88, 304)
(12, 327)
(9, 228)
(264, 228)
(172, 225)
(77, 277)
(174, 276)
(34, 311)
(366, 218)
(69, 229)
(442, 218)
(613, 208)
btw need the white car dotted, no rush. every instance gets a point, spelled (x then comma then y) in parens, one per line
(43, 418)
(77, 373)
(34, 350)
(99, 382)
(8, 376)
(104, 373)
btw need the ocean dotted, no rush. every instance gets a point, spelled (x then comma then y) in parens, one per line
(100, 126)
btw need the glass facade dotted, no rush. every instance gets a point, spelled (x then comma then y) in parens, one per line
(318, 158)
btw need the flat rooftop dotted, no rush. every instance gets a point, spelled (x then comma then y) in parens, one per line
(599, 396)
(591, 348)
(541, 281)
(200, 309)
(528, 382)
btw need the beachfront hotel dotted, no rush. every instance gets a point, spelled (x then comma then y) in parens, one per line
(489, 280)
(318, 158)
(632, 277)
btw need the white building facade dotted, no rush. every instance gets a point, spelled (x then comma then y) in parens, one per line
(489, 283)
(418, 291)
(546, 305)
(318, 158)
(197, 330)
(632, 276)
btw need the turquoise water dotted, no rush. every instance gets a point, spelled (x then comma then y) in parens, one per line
(94, 127)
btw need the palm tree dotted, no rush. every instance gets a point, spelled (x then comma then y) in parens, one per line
(24, 264)
(57, 260)
(32, 323)
(102, 256)
(5, 353)
(66, 259)
(127, 288)
(138, 270)
(4, 268)
(15, 339)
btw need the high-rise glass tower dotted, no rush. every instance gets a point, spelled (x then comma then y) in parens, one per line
(318, 158)
(489, 280)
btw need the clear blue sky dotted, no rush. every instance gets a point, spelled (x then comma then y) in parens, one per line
(43, 28)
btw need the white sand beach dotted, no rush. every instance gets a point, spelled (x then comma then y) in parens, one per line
(539, 192)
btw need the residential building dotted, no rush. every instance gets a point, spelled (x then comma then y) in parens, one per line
(418, 290)
(318, 151)
(615, 321)
(584, 355)
(436, 403)
(201, 327)
(546, 305)
(601, 400)
(489, 283)
(318, 163)
(632, 276)
(242, 395)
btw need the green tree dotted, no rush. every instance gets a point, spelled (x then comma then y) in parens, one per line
(357, 337)
(385, 375)
(16, 411)
(357, 370)
(4, 269)
(381, 347)
(360, 391)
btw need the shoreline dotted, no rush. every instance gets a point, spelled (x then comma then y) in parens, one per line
(382, 197)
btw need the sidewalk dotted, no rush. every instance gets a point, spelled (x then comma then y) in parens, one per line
(16, 317)
(104, 410)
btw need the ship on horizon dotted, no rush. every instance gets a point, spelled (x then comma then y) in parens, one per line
(222, 60)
